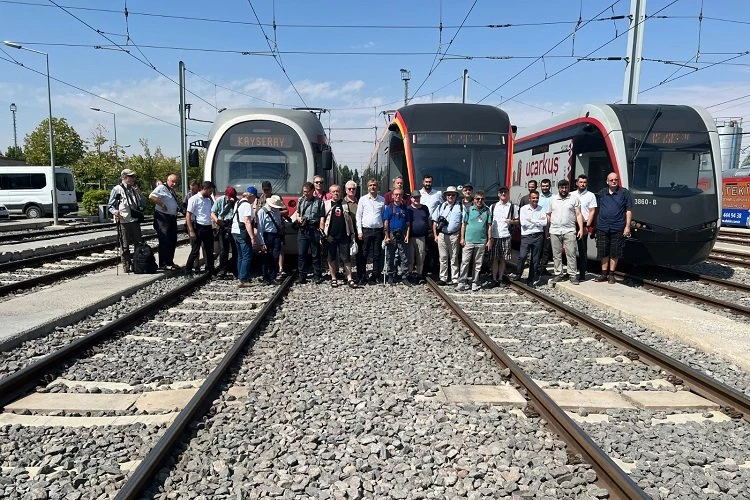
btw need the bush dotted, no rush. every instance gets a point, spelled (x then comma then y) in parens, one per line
(93, 198)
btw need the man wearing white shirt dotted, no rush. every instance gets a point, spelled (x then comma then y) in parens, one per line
(431, 198)
(545, 196)
(533, 221)
(504, 215)
(588, 214)
(165, 220)
(564, 215)
(198, 222)
(370, 229)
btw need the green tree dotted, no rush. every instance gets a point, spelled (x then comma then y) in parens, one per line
(152, 166)
(346, 174)
(745, 162)
(15, 153)
(96, 169)
(68, 144)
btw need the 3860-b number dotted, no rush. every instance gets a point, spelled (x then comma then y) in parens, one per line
(643, 201)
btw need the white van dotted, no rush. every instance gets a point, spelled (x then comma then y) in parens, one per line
(27, 189)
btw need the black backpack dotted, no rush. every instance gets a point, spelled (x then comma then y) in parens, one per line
(143, 260)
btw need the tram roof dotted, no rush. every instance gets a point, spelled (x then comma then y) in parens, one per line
(452, 116)
(306, 119)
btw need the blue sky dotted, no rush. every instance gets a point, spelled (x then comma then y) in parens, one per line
(346, 56)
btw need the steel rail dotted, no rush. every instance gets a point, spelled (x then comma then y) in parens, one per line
(735, 240)
(679, 292)
(732, 285)
(695, 380)
(18, 383)
(612, 477)
(157, 457)
(73, 252)
(47, 234)
(733, 258)
(56, 275)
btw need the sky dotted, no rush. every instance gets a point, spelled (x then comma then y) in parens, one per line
(533, 59)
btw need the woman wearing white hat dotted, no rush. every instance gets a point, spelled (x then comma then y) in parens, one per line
(269, 237)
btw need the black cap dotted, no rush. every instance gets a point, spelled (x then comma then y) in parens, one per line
(265, 185)
(468, 185)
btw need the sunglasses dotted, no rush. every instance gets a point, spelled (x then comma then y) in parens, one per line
(478, 199)
(613, 180)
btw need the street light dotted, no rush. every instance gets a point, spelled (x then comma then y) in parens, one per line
(114, 120)
(13, 109)
(406, 76)
(51, 139)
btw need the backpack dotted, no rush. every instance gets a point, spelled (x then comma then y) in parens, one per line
(143, 259)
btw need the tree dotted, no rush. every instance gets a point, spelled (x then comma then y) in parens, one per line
(745, 162)
(68, 144)
(346, 174)
(15, 153)
(96, 168)
(152, 167)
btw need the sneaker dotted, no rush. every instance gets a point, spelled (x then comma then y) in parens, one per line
(245, 284)
(441, 283)
(475, 287)
(318, 280)
(391, 281)
(574, 281)
(462, 287)
(536, 283)
(558, 278)
(301, 280)
(611, 279)
(601, 278)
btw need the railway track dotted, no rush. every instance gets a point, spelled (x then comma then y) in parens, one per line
(729, 257)
(47, 269)
(514, 323)
(75, 379)
(51, 234)
(701, 298)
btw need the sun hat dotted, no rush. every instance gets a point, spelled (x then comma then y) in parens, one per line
(275, 202)
(127, 173)
(450, 189)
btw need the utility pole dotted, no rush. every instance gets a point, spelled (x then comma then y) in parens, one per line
(406, 76)
(183, 130)
(13, 109)
(466, 86)
(635, 52)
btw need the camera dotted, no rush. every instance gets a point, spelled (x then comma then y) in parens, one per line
(442, 223)
(398, 235)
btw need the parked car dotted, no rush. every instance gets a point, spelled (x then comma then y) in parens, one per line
(4, 214)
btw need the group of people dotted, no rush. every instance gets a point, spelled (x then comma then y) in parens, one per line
(426, 229)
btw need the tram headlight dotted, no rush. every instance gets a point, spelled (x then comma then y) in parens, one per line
(710, 225)
(638, 225)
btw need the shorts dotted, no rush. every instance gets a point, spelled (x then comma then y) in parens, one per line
(338, 248)
(609, 244)
(500, 249)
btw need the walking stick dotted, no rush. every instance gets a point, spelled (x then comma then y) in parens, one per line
(119, 245)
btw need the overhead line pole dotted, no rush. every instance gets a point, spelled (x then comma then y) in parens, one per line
(635, 52)
(183, 131)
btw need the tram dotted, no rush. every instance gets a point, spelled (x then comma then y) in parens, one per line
(285, 147)
(668, 156)
(736, 198)
(455, 143)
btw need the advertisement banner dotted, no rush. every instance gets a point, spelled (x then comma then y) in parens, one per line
(736, 202)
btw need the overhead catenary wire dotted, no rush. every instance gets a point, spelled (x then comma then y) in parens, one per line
(276, 55)
(111, 101)
(147, 63)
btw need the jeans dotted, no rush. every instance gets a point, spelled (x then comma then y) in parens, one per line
(397, 247)
(309, 238)
(567, 240)
(244, 255)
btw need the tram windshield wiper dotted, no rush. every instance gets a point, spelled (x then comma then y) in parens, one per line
(649, 129)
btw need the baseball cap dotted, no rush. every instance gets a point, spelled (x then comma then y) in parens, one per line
(468, 185)
(127, 173)
(266, 185)
(230, 192)
(252, 190)
(416, 194)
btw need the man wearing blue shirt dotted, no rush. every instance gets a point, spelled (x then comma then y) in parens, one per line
(396, 225)
(612, 225)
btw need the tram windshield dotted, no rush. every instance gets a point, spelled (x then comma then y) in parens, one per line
(479, 159)
(668, 150)
(252, 152)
